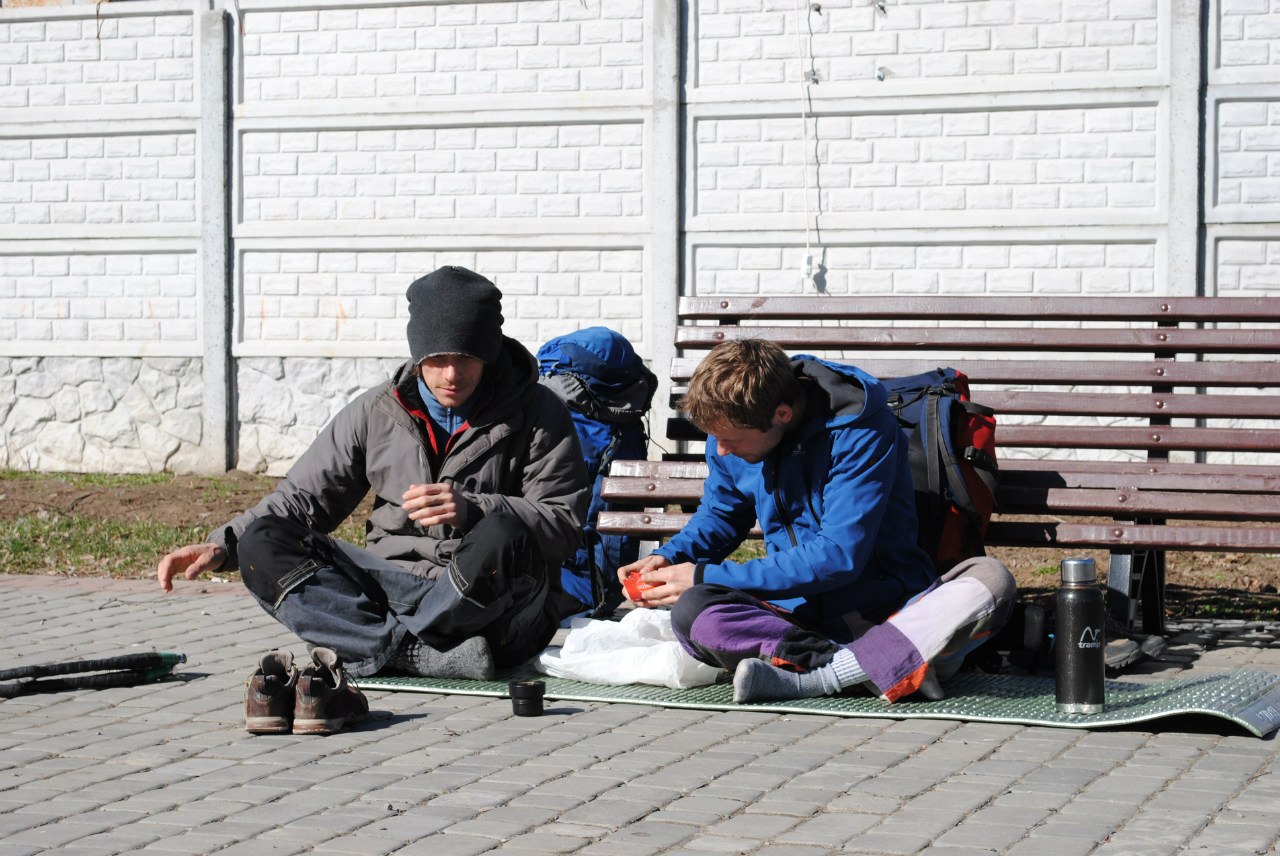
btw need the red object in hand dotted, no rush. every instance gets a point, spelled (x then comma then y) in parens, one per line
(634, 586)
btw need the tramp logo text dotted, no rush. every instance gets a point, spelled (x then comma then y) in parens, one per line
(1090, 637)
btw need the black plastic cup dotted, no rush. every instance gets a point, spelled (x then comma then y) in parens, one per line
(526, 697)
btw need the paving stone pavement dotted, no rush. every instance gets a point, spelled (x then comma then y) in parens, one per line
(166, 768)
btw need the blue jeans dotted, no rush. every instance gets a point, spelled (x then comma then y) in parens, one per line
(335, 595)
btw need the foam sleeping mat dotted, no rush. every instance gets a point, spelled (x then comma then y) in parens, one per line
(1250, 699)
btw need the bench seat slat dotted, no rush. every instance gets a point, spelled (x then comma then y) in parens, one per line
(667, 469)
(655, 488)
(647, 524)
(1200, 505)
(1039, 471)
(980, 308)
(982, 339)
(1015, 499)
(1240, 539)
(651, 491)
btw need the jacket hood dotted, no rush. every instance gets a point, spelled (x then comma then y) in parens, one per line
(853, 394)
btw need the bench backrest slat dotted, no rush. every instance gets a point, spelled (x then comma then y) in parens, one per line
(1164, 405)
(1186, 480)
(1199, 505)
(983, 339)
(1152, 438)
(1146, 373)
(1163, 310)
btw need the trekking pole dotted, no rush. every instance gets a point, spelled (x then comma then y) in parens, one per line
(124, 670)
(136, 662)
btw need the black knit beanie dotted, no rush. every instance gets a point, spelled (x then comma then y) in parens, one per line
(454, 311)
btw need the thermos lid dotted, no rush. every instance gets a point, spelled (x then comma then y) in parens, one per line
(1079, 570)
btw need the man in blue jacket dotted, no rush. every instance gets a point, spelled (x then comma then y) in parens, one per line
(844, 595)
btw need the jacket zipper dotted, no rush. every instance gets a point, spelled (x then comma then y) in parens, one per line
(777, 500)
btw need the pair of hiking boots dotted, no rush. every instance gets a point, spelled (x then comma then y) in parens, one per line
(279, 699)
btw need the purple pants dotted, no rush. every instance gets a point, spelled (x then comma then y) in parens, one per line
(722, 626)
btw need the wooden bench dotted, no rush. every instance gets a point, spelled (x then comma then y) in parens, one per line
(1115, 416)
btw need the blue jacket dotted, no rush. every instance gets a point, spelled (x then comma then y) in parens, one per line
(835, 503)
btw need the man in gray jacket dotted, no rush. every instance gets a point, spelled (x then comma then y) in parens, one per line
(479, 493)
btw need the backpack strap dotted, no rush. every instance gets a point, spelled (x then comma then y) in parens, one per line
(985, 466)
(945, 454)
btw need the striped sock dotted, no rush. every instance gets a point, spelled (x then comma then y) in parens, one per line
(845, 670)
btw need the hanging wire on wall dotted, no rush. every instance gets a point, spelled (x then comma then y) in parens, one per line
(808, 78)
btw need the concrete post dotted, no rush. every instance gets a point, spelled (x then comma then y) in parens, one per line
(215, 282)
(665, 232)
(1185, 108)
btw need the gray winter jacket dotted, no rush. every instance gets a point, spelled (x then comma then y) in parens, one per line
(519, 453)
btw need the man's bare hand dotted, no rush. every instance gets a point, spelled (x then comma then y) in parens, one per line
(431, 504)
(671, 581)
(648, 563)
(190, 562)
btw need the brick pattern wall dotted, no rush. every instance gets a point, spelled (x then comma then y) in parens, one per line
(420, 51)
(343, 297)
(1249, 152)
(1249, 33)
(143, 60)
(1248, 267)
(979, 161)
(1027, 269)
(99, 298)
(564, 171)
(753, 42)
(90, 180)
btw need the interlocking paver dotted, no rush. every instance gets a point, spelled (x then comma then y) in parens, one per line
(831, 830)
(167, 768)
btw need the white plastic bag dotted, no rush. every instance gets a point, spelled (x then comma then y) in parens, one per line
(639, 649)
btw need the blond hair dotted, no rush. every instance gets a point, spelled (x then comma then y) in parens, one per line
(740, 384)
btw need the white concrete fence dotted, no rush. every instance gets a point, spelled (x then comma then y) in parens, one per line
(209, 213)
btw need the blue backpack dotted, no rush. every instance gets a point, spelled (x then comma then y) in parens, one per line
(608, 391)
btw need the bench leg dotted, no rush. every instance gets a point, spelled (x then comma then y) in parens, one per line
(1152, 593)
(1137, 577)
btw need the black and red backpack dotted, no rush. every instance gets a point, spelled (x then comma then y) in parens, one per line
(952, 447)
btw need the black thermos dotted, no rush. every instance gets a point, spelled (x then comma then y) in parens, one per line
(1078, 650)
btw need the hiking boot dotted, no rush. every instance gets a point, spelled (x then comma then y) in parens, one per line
(326, 700)
(1127, 647)
(269, 695)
